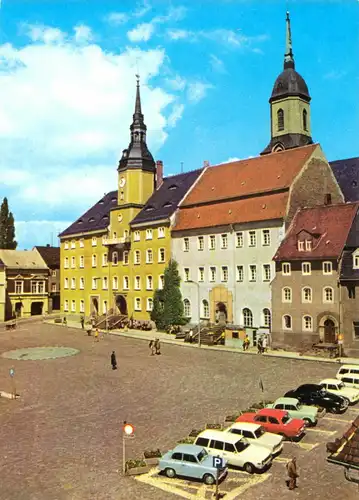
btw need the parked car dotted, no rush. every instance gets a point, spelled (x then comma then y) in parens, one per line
(236, 450)
(350, 380)
(314, 394)
(296, 409)
(348, 370)
(337, 387)
(256, 434)
(277, 421)
(191, 461)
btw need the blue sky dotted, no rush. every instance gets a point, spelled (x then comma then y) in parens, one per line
(67, 84)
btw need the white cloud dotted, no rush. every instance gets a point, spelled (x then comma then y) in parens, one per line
(177, 83)
(335, 74)
(142, 8)
(178, 34)
(197, 91)
(175, 115)
(83, 34)
(230, 160)
(141, 33)
(116, 18)
(45, 34)
(174, 14)
(217, 64)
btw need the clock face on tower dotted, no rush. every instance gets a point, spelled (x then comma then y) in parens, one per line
(122, 182)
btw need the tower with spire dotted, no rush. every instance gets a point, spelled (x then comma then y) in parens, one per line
(289, 105)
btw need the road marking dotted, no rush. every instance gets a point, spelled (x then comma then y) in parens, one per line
(253, 481)
(354, 409)
(341, 420)
(307, 446)
(321, 431)
(281, 459)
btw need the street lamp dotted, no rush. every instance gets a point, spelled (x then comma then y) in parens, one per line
(199, 311)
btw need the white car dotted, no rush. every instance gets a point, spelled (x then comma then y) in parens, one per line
(337, 387)
(255, 434)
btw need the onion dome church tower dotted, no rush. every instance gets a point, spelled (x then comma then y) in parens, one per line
(289, 105)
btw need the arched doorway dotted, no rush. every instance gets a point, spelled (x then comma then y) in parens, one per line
(94, 304)
(18, 307)
(329, 331)
(121, 304)
(36, 308)
(221, 313)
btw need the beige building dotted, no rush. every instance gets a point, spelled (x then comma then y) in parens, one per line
(2, 291)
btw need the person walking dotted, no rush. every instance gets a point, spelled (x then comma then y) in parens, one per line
(260, 345)
(113, 361)
(64, 321)
(151, 345)
(190, 336)
(265, 343)
(158, 346)
(96, 335)
(82, 321)
(292, 474)
(246, 343)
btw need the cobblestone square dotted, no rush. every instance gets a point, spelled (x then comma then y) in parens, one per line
(63, 438)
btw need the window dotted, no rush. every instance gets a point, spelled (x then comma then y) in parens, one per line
(252, 273)
(224, 276)
(308, 245)
(148, 234)
(66, 283)
(266, 237)
(200, 243)
(356, 329)
(137, 257)
(202, 442)
(66, 245)
(73, 244)
(286, 294)
(306, 294)
(212, 242)
(126, 283)
(73, 262)
(73, 306)
(247, 317)
(267, 318)
(301, 246)
(328, 294)
(306, 268)
(149, 283)
(125, 258)
(266, 272)
(19, 286)
(205, 309)
(115, 283)
(94, 260)
(53, 287)
(66, 263)
(307, 323)
(161, 255)
(104, 259)
(287, 322)
(149, 304)
(239, 240)
(286, 268)
(356, 260)
(161, 281)
(186, 274)
(252, 239)
(137, 304)
(82, 306)
(240, 273)
(160, 234)
(201, 274)
(187, 308)
(224, 241)
(280, 120)
(66, 305)
(94, 241)
(94, 283)
(104, 239)
(137, 236)
(149, 256)
(53, 273)
(351, 292)
(114, 258)
(137, 283)
(186, 244)
(327, 268)
(82, 243)
(305, 124)
(212, 274)
(37, 286)
(82, 261)
(104, 283)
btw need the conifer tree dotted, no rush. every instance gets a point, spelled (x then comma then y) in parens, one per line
(7, 227)
(157, 310)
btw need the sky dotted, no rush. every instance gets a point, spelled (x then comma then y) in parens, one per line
(207, 68)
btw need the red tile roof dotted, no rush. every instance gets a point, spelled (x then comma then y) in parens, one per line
(348, 452)
(258, 208)
(328, 225)
(245, 177)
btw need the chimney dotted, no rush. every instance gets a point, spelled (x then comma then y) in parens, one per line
(159, 173)
(205, 163)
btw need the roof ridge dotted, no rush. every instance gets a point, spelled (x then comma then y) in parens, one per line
(182, 173)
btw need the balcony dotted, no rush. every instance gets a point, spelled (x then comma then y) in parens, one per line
(117, 241)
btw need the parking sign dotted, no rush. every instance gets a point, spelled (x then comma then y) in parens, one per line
(217, 462)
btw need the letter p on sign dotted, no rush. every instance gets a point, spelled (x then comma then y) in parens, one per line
(217, 462)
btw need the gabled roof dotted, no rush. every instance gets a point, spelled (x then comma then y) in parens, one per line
(164, 201)
(51, 255)
(347, 448)
(96, 218)
(347, 174)
(22, 259)
(331, 222)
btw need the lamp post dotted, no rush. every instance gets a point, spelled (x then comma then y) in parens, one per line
(199, 311)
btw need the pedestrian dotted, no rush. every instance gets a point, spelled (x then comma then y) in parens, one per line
(150, 345)
(260, 345)
(82, 321)
(96, 335)
(246, 343)
(190, 336)
(292, 474)
(64, 321)
(158, 346)
(265, 343)
(113, 361)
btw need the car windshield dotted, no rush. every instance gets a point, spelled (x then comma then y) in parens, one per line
(298, 406)
(241, 445)
(340, 386)
(259, 432)
(286, 419)
(202, 455)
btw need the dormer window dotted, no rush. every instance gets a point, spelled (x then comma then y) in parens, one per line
(91, 219)
(149, 209)
(356, 259)
(173, 187)
(167, 204)
(101, 202)
(301, 246)
(308, 245)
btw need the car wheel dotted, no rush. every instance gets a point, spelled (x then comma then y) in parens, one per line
(170, 473)
(208, 479)
(249, 468)
(347, 401)
(307, 421)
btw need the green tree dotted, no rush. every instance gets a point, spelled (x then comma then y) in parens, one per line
(7, 227)
(157, 310)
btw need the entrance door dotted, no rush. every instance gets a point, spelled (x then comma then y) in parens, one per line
(18, 307)
(36, 308)
(121, 304)
(221, 313)
(329, 331)
(94, 303)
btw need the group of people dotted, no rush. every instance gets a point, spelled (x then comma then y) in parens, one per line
(139, 325)
(262, 344)
(155, 347)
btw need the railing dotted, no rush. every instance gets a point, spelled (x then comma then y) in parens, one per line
(117, 241)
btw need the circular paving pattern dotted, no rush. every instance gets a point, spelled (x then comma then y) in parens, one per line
(38, 353)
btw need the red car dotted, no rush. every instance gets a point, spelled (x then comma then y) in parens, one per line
(277, 421)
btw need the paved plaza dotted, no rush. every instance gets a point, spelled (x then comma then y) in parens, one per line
(63, 438)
